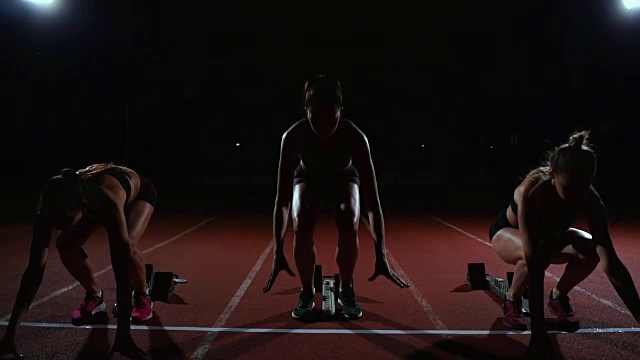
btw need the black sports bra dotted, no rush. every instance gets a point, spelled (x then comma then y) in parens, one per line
(552, 221)
(91, 182)
(322, 161)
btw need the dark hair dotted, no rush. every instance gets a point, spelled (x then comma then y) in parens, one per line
(63, 192)
(322, 90)
(575, 157)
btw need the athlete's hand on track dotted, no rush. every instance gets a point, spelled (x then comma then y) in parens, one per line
(382, 269)
(279, 264)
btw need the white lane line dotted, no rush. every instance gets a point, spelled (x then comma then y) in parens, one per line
(577, 288)
(180, 235)
(102, 271)
(206, 343)
(328, 331)
(435, 319)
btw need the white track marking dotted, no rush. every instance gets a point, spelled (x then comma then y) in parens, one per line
(327, 331)
(205, 344)
(435, 319)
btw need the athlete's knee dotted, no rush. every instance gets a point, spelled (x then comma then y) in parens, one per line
(64, 248)
(73, 255)
(505, 247)
(69, 249)
(303, 222)
(521, 265)
(585, 249)
(589, 257)
(347, 219)
(127, 246)
(134, 252)
(592, 261)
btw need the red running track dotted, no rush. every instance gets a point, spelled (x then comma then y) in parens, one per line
(226, 259)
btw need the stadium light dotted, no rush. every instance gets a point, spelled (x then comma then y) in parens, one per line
(631, 4)
(47, 7)
(41, 2)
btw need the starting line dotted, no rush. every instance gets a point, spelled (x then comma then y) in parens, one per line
(327, 331)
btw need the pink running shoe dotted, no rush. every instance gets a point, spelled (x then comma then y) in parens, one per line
(142, 308)
(513, 317)
(562, 309)
(91, 305)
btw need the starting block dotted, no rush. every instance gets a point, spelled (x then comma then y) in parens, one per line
(479, 279)
(330, 288)
(161, 285)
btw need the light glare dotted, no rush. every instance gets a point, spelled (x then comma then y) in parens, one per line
(630, 4)
(41, 2)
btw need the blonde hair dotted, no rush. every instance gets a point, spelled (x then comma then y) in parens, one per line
(94, 169)
(574, 157)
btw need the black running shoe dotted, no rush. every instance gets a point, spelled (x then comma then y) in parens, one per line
(350, 307)
(305, 305)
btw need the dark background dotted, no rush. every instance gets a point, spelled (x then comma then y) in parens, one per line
(170, 88)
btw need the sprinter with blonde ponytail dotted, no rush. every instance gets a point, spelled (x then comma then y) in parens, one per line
(536, 230)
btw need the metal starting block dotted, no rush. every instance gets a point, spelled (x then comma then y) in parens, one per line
(164, 285)
(161, 285)
(479, 279)
(329, 286)
(330, 291)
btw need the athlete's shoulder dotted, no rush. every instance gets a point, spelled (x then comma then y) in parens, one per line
(351, 126)
(531, 187)
(295, 134)
(353, 131)
(298, 128)
(592, 198)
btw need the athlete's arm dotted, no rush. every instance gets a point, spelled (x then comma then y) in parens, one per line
(111, 202)
(370, 204)
(286, 166)
(32, 276)
(287, 163)
(528, 220)
(609, 261)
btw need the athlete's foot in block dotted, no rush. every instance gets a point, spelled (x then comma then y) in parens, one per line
(561, 307)
(350, 307)
(512, 315)
(88, 309)
(142, 308)
(304, 309)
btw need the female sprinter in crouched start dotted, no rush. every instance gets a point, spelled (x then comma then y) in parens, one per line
(77, 204)
(542, 212)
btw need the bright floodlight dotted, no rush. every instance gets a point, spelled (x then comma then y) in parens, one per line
(630, 4)
(41, 2)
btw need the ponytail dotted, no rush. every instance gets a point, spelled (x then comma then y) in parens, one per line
(578, 140)
(574, 157)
